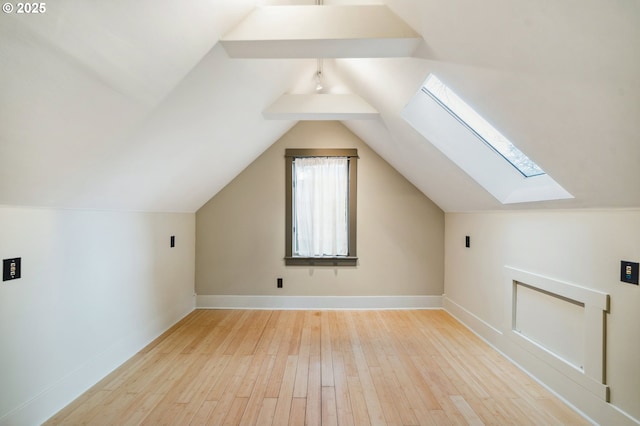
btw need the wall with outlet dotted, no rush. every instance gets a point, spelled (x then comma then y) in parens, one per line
(240, 231)
(580, 248)
(95, 288)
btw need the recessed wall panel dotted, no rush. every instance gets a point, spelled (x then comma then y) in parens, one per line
(553, 322)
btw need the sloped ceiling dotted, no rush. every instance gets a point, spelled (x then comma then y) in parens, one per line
(136, 106)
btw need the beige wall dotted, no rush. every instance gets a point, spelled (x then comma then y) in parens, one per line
(581, 247)
(240, 231)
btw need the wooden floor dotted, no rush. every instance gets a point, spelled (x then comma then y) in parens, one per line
(308, 367)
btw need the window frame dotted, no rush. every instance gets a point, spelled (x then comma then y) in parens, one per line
(493, 143)
(351, 259)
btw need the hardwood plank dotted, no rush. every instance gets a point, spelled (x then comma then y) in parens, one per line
(257, 322)
(203, 413)
(201, 384)
(311, 367)
(374, 408)
(414, 393)
(252, 410)
(540, 417)
(344, 344)
(229, 376)
(298, 412)
(111, 412)
(296, 333)
(385, 397)
(325, 351)
(558, 410)
(472, 393)
(440, 418)
(503, 415)
(137, 412)
(239, 330)
(384, 348)
(358, 402)
(467, 412)
(314, 392)
(329, 411)
(251, 377)
(268, 408)
(343, 402)
(236, 411)
(282, 355)
(421, 398)
(228, 395)
(195, 397)
(302, 371)
(285, 395)
(81, 410)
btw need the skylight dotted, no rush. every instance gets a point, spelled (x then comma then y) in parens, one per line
(453, 127)
(480, 127)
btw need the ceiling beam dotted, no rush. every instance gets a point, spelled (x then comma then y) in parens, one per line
(320, 107)
(353, 31)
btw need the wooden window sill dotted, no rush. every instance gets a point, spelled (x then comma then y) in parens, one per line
(321, 261)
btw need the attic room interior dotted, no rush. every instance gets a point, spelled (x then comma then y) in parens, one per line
(160, 252)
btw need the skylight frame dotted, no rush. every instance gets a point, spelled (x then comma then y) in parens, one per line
(517, 157)
(447, 133)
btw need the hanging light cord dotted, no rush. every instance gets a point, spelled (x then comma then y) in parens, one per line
(319, 86)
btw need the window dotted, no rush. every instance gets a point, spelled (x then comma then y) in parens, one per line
(321, 187)
(480, 127)
(468, 140)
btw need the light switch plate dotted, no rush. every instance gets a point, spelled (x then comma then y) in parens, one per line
(629, 272)
(11, 269)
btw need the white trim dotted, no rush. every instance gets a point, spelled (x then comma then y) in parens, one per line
(224, 301)
(592, 376)
(467, 317)
(571, 291)
(496, 345)
(342, 106)
(584, 402)
(329, 31)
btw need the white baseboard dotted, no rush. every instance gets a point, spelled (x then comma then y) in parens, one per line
(317, 302)
(475, 323)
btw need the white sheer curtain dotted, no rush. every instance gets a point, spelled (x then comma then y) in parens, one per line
(320, 206)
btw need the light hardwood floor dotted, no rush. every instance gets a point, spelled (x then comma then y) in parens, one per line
(317, 367)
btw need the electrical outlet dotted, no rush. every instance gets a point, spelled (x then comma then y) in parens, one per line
(279, 282)
(11, 269)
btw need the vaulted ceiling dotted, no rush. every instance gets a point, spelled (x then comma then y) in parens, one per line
(135, 105)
